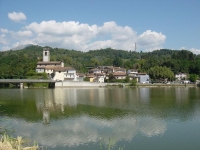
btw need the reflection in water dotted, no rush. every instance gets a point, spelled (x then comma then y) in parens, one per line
(84, 129)
(144, 95)
(46, 116)
(75, 116)
(152, 127)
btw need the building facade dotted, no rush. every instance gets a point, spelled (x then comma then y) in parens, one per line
(55, 69)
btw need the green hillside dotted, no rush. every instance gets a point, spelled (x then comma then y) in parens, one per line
(19, 63)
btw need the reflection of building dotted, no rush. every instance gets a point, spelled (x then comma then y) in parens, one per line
(144, 95)
(46, 116)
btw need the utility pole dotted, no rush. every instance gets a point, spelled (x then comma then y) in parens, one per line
(135, 47)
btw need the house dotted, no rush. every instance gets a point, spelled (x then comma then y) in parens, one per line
(94, 70)
(100, 77)
(118, 69)
(132, 73)
(142, 77)
(181, 76)
(91, 77)
(119, 75)
(96, 75)
(64, 73)
(80, 76)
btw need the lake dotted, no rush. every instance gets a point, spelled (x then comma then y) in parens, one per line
(146, 118)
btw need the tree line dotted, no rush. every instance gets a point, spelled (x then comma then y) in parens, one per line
(21, 63)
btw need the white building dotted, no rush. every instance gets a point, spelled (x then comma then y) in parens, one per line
(55, 69)
(181, 76)
(64, 73)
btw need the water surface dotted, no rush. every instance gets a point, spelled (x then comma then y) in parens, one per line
(86, 118)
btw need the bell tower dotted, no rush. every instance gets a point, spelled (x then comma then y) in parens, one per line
(46, 55)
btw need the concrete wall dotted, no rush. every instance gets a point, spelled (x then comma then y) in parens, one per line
(79, 84)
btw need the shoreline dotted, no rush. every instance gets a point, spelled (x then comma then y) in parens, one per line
(98, 84)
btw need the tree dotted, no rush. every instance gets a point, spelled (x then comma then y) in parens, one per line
(193, 77)
(127, 79)
(161, 73)
(118, 62)
(111, 77)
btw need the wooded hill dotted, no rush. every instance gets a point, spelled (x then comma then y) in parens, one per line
(20, 63)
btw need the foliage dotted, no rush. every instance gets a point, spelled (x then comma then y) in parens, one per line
(118, 62)
(20, 64)
(161, 73)
(193, 77)
(133, 82)
(127, 79)
(86, 79)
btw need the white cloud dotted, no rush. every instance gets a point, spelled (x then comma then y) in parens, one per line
(5, 48)
(84, 37)
(21, 34)
(3, 39)
(4, 30)
(151, 39)
(193, 50)
(16, 17)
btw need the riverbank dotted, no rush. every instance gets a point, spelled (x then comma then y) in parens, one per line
(98, 84)
(166, 85)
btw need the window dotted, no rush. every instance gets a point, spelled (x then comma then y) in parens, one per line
(45, 54)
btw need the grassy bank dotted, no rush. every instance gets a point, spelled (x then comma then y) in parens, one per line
(10, 143)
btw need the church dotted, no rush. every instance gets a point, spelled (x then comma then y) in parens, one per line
(55, 69)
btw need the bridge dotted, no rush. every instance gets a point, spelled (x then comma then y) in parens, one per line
(21, 81)
(25, 81)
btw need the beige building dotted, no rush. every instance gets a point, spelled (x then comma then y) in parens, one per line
(55, 69)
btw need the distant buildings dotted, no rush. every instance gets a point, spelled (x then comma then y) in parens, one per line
(102, 72)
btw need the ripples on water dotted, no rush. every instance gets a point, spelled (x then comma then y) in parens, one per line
(89, 118)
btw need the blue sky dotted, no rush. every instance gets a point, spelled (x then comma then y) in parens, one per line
(94, 24)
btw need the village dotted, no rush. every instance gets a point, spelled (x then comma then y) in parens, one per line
(57, 71)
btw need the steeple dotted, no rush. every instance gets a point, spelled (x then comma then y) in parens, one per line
(46, 55)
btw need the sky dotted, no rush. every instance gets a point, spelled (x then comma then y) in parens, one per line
(85, 25)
